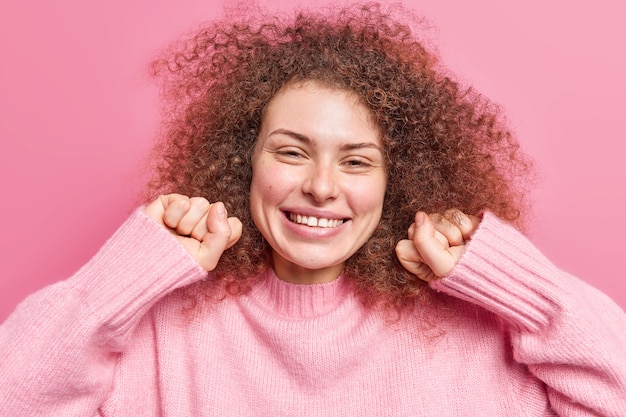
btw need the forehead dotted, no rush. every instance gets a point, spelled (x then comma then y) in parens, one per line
(313, 109)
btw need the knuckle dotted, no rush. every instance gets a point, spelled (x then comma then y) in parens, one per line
(455, 216)
(201, 201)
(436, 218)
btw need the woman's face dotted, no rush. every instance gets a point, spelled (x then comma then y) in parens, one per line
(318, 180)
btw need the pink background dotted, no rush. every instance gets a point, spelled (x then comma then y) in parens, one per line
(77, 116)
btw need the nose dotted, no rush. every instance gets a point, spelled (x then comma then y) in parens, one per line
(321, 183)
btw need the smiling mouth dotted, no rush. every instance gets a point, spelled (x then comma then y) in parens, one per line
(312, 221)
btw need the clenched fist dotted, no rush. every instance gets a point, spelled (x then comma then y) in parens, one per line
(435, 243)
(204, 229)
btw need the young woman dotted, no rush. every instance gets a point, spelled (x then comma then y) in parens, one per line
(370, 264)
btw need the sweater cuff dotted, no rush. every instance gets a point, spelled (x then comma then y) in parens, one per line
(504, 273)
(136, 267)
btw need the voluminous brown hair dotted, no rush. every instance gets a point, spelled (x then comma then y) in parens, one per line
(445, 146)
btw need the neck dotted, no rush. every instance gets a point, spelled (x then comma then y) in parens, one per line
(296, 274)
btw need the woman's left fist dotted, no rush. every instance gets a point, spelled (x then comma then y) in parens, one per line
(435, 243)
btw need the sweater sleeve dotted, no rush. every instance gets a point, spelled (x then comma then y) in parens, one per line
(569, 335)
(60, 346)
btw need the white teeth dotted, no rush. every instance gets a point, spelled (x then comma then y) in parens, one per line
(314, 221)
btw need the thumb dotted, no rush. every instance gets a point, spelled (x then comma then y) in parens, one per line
(218, 237)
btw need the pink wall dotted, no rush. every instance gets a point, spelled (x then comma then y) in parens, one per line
(77, 115)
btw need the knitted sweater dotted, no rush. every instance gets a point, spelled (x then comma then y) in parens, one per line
(507, 334)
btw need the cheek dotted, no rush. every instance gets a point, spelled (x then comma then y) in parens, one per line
(257, 194)
(368, 197)
(266, 187)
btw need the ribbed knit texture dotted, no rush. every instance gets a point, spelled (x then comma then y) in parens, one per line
(507, 335)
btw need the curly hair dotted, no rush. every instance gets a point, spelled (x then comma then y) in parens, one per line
(445, 146)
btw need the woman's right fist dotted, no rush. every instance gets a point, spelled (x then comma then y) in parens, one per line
(203, 228)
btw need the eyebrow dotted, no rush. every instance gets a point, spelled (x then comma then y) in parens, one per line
(346, 147)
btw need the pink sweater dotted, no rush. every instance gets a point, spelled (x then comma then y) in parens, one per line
(508, 335)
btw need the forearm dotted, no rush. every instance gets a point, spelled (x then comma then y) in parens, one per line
(568, 334)
(60, 346)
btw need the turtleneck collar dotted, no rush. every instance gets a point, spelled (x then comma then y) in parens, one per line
(299, 300)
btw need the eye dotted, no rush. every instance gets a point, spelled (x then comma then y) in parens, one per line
(290, 153)
(357, 164)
